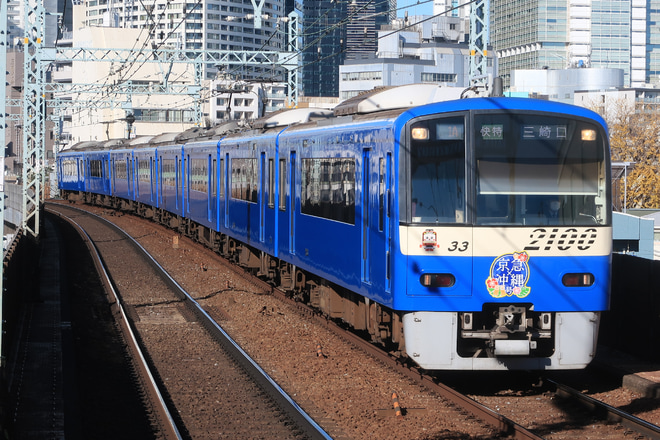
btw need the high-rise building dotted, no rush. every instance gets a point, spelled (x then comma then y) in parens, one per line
(416, 50)
(555, 34)
(222, 25)
(324, 36)
(335, 31)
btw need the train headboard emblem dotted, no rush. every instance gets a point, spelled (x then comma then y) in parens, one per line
(509, 274)
(429, 240)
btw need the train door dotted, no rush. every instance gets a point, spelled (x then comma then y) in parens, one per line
(136, 177)
(366, 205)
(212, 188)
(375, 219)
(106, 175)
(129, 177)
(113, 182)
(439, 243)
(224, 189)
(152, 176)
(292, 203)
(161, 190)
(185, 182)
(282, 229)
(262, 197)
(177, 184)
(384, 213)
(81, 173)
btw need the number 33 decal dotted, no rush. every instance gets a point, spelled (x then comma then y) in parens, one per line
(460, 247)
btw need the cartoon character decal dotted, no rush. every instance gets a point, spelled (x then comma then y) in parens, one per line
(509, 274)
(429, 240)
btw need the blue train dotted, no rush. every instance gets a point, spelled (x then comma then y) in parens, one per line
(468, 234)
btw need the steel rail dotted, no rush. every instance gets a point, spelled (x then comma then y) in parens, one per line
(305, 422)
(168, 425)
(497, 421)
(613, 414)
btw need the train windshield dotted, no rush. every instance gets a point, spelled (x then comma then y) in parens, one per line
(539, 170)
(529, 169)
(437, 162)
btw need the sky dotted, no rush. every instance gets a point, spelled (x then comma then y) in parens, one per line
(423, 8)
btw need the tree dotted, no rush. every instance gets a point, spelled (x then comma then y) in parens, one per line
(635, 137)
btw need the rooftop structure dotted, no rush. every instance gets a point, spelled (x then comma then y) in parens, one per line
(432, 52)
(567, 33)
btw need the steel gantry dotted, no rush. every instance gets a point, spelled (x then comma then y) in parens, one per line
(34, 115)
(3, 125)
(478, 46)
(37, 58)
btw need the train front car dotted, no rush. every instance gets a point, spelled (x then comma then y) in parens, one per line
(505, 234)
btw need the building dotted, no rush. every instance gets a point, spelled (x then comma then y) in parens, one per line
(154, 113)
(335, 31)
(223, 25)
(562, 84)
(434, 51)
(323, 39)
(533, 34)
(610, 102)
(56, 19)
(232, 100)
(452, 8)
(14, 128)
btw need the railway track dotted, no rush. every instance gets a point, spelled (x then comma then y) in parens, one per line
(204, 386)
(491, 415)
(162, 419)
(633, 425)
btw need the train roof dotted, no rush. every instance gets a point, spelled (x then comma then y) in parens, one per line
(287, 117)
(397, 97)
(381, 103)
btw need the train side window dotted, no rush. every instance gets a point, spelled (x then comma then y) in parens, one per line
(213, 180)
(95, 168)
(328, 188)
(283, 187)
(222, 178)
(271, 183)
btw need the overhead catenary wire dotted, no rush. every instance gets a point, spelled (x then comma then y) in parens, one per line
(127, 71)
(180, 104)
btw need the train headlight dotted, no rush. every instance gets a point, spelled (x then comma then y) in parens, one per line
(420, 133)
(578, 280)
(437, 280)
(588, 135)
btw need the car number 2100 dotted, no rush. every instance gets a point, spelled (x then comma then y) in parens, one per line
(564, 240)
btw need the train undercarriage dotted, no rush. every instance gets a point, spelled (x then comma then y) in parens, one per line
(506, 330)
